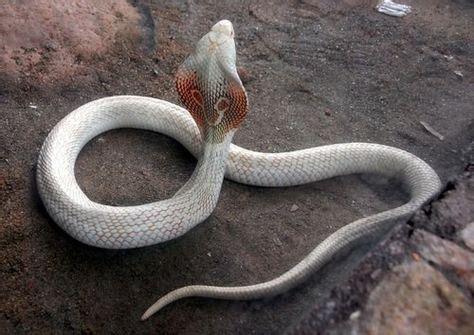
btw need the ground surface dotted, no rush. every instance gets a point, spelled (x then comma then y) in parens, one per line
(316, 73)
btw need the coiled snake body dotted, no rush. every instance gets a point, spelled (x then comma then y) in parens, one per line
(216, 104)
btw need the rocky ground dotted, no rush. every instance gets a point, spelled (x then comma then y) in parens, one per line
(419, 280)
(317, 72)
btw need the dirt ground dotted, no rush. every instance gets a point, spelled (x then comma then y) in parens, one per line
(316, 72)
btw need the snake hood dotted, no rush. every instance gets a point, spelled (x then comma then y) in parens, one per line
(209, 85)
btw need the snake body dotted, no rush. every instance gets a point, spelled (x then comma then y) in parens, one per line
(216, 104)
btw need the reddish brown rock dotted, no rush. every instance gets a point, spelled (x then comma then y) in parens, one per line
(416, 299)
(445, 254)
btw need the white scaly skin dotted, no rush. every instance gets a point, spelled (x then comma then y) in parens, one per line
(135, 226)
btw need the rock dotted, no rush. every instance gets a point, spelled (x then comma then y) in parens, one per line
(459, 74)
(445, 254)
(376, 273)
(452, 212)
(414, 298)
(51, 45)
(294, 208)
(467, 235)
(354, 316)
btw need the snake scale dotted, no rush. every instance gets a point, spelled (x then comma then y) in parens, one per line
(216, 104)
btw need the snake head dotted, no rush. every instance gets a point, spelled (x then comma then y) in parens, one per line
(209, 85)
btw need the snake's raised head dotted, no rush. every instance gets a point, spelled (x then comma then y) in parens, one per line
(209, 85)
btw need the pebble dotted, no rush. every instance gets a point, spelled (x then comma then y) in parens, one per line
(459, 74)
(467, 235)
(354, 316)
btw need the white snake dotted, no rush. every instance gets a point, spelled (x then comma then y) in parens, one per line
(217, 103)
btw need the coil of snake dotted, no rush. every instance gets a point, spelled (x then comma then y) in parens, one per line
(216, 104)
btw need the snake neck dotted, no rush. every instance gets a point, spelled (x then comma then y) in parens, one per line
(206, 181)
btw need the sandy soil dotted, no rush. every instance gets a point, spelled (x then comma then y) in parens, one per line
(46, 40)
(316, 72)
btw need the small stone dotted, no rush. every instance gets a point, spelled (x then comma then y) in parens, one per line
(51, 46)
(330, 304)
(278, 241)
(467, 235)
(376, 274)
(103, 77)
(355, 315)
(396, 248)
(209, 254)
(459, 74)
(294, 208)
